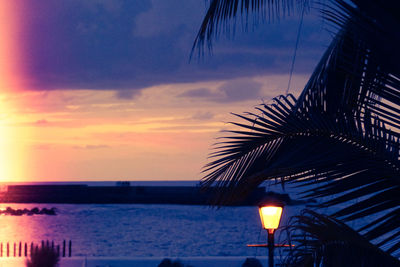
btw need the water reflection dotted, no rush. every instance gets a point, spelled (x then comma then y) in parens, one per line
(140, 230)
(14, 230)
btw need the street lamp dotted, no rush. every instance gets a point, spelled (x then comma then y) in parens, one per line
(270, 217)
(270, 214)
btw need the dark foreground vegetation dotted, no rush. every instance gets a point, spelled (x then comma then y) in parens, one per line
(43, 256)
(339, 140)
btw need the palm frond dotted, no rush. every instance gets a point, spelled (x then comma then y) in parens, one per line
(341, 138)
(325, 241)
(222, 14)
(307, 148)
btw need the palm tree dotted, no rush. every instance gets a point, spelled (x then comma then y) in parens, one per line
(341, 137)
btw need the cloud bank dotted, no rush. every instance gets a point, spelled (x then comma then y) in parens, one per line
(130, 45)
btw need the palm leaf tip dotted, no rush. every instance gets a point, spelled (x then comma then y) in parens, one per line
(221, 13)
(322, 240)
(237, 161)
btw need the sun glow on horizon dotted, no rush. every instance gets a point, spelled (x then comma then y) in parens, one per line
(76, 132)
(11, 156)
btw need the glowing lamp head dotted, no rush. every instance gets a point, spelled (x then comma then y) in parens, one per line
(270, 217)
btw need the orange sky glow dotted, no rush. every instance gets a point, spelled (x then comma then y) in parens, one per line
(93, 135)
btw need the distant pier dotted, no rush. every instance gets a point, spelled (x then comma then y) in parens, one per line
(119, 194)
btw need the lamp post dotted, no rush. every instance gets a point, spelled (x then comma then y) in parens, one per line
(270, 214)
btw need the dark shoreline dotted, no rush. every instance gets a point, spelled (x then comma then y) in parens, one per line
(125, 194)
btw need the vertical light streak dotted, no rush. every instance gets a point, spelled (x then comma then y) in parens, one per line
(10, 81)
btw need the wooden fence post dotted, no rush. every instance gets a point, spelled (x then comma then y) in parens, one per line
(21, 248)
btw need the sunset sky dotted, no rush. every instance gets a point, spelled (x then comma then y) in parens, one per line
(104, 90)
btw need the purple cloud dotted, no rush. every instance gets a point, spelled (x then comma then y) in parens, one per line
(129, 45)
(203, 116)
(231, 91)
(200, 93)
(127, 94)
(90, 147)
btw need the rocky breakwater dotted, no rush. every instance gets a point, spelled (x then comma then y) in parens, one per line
(34, 211)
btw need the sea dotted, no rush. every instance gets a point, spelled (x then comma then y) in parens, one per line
(135, 230)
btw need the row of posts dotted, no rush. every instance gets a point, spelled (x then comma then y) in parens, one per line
(23, 249)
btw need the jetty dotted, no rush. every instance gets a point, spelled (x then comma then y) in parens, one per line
(121, 193)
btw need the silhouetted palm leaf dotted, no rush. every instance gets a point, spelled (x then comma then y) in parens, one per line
(329, 152)
(221, 15)
(324, 241)
(341, 136)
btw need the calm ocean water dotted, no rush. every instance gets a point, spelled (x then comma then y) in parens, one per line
(142, 230)
(136, 230)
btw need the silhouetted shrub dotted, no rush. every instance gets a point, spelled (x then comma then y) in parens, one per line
(251, 262)
(165, 263)
(44, 256)
(169, 263)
